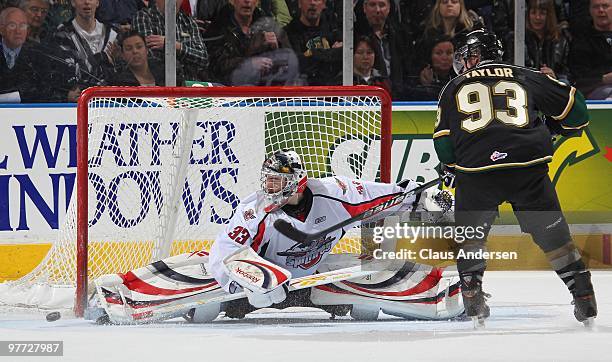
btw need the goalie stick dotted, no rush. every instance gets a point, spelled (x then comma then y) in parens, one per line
(288, 230)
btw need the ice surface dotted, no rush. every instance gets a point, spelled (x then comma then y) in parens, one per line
(531, 320)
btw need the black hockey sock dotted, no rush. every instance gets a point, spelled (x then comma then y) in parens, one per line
(567, 263)
(471, 264)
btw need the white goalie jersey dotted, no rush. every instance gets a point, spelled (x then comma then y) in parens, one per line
(329, 202)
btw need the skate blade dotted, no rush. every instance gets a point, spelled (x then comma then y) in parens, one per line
(589, 323)
(479, 322)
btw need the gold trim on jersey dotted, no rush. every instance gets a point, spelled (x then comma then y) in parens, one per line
(444, 132)
(568, 106)
(505, 165)
(579, 127)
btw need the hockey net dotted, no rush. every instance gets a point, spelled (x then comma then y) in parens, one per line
(166, 167)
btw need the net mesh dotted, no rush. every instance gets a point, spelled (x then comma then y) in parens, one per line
(165, 174)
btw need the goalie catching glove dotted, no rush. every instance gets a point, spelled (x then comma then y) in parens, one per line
(436, 206)
(432, 205)
(264, 283)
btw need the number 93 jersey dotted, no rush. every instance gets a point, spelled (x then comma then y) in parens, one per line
(490, 117)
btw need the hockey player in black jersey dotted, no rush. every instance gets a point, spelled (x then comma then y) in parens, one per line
(493, 129)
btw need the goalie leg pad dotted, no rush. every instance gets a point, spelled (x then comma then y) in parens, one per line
(408, 290)
(138, 295)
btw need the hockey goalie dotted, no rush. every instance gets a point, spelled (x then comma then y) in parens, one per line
(252, 265)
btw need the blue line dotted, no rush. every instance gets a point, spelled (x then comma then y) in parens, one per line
(37, 105)
(598, 102)
(424, 103)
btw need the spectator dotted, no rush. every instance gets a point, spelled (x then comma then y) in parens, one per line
(90, 43)
(118, 13)
(449, 17)
(252, 49)
(317, 43)
(416, 13)
(36, 11)
(19, 73)
(591, 53)
(392, 45)
(277, 9)
(503, 23)
(332, 11)
(139, 69)
(364, 58)
(547, 49)
(361, 21)
(437, 71)
(191, 52)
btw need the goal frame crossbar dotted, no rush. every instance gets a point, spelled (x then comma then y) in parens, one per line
(187, 92)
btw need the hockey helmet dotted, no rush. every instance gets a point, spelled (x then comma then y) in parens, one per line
(282, 176)
(478, 43)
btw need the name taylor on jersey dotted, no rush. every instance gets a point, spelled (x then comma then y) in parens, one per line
(490, 72)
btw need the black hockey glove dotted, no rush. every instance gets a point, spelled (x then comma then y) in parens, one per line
(447, 175)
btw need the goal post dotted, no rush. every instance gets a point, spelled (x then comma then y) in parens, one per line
(160, 170)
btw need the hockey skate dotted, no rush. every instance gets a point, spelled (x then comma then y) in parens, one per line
(474, 299)
(585, 305)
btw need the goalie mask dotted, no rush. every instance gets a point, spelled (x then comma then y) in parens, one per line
(282, 176)
(479, 44)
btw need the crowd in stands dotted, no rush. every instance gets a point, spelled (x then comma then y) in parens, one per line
(53, 49)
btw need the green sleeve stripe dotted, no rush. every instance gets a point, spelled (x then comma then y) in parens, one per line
(577, 116)
(445, 150)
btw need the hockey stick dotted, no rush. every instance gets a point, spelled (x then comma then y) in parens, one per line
(284, 227)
